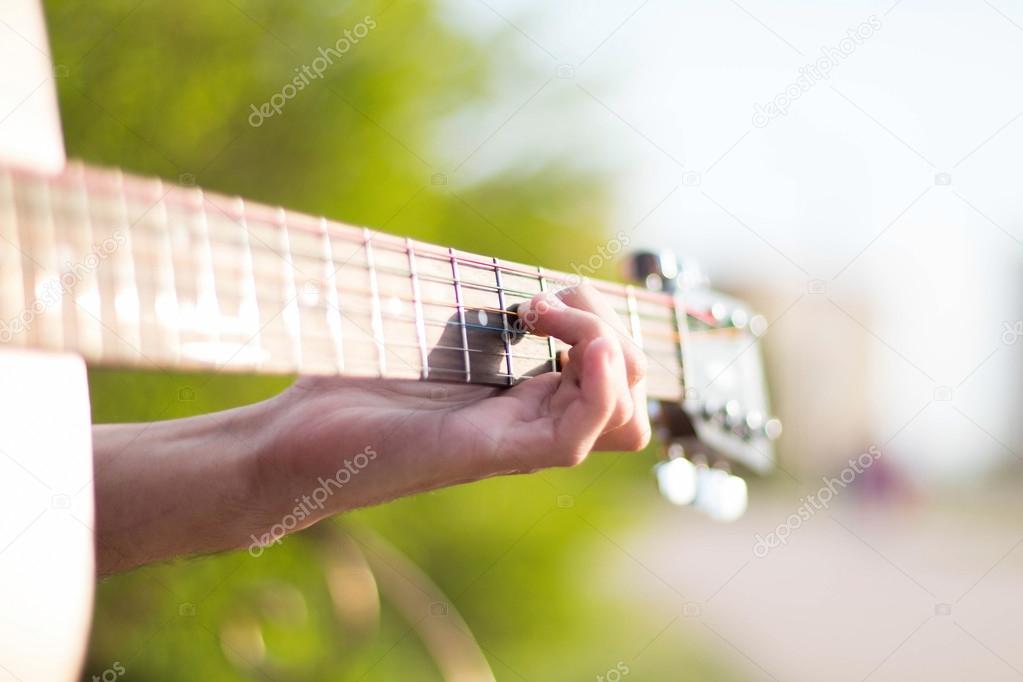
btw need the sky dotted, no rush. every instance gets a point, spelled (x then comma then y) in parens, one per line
(872, 214)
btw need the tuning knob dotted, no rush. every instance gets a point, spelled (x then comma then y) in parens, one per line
(676, 479)
(772, 428)
(714, 491)
(656, 271)
(721, 495)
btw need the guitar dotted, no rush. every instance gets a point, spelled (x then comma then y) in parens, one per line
(100, 267)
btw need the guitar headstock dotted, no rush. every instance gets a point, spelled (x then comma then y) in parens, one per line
(723, 425)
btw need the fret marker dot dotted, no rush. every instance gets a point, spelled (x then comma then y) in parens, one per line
(482, 316)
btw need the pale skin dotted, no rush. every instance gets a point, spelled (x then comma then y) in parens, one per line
(216, 482)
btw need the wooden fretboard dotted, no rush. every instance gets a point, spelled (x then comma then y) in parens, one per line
(136, 272)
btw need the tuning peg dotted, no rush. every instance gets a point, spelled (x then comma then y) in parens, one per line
(676, 479)
(656, 271)
(721, 495)
(731, 414)
(714, 491)
(772, 428)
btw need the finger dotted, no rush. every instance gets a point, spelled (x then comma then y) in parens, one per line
(635, 434)
(586, 297)
(547, 315)
(583, 417)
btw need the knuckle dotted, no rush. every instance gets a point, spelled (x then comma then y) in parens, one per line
(572, 457)
(635, 364)
(622, 414)
(633, 437)
(643, 435)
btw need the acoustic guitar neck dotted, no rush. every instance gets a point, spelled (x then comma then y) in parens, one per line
(137, 272)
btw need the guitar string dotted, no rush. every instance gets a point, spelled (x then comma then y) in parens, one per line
(481, 265)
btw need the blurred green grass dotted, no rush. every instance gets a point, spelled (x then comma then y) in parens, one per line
(166, 89)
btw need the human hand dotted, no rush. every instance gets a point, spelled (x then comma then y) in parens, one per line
(423, 435)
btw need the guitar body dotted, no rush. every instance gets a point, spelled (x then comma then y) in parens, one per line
(46, 539)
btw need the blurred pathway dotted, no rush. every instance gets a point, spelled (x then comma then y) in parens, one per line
(915, 592)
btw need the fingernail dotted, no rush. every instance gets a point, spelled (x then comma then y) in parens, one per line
(522, 310)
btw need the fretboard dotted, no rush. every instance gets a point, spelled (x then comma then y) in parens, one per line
(136, 272)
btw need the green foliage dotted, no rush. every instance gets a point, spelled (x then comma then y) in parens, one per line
(166, 88)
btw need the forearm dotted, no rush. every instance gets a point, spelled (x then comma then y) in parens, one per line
(173, 487)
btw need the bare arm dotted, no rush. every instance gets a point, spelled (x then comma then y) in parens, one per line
(245, 477)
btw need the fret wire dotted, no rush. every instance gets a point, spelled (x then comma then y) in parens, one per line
(166, 310)
(506, 335)
(417, 305)
(550, 339)
(461, 314)
(34, 266)
(50, 231)
(333, 301)
(87, 294)
(45, 233)
(377, 321)
(290, 312)
(207, 305)
(13, 296)
(637, 332)
(126, 298)
(250, 309)
(680, 321)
